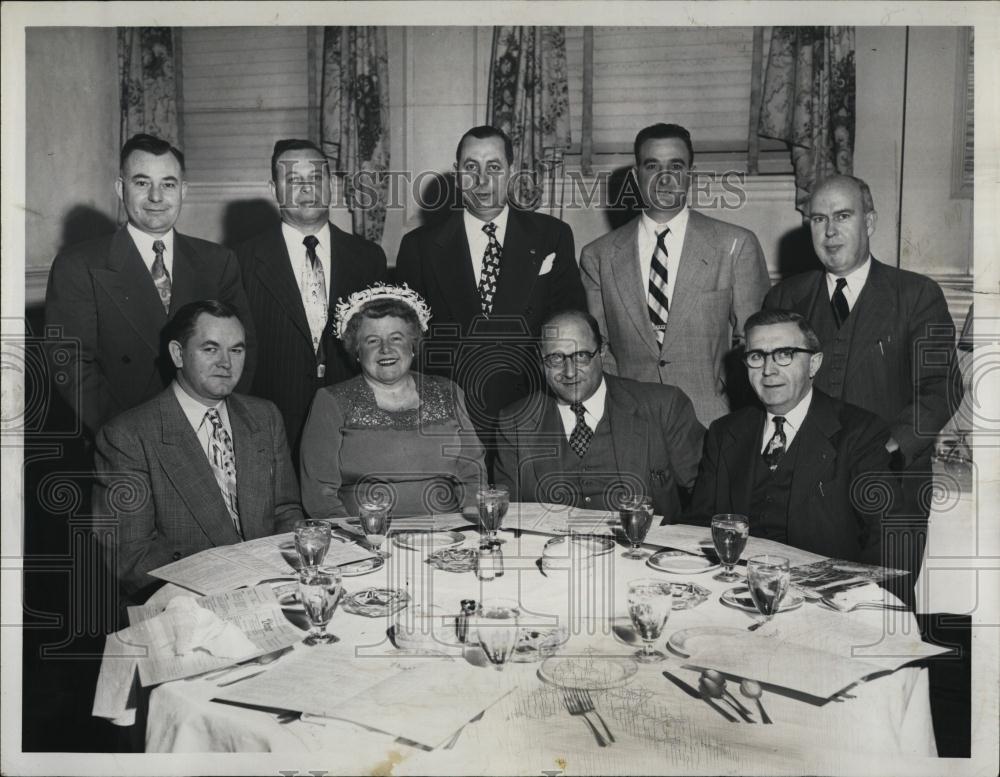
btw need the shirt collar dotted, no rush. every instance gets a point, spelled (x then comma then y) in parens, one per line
(475, 223)
(194, 410)
(796, 415)
(294, 237)
(144, 241)
(855, 278)
(594, 404)
(677, 224)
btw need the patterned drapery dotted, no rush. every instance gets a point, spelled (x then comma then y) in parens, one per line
(148, 86)
(354, 120)
(528, 99)
(808, 101)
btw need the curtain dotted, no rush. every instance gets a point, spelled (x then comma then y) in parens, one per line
(808, 101)
(148, 86)
(528, 99)
(354, 121)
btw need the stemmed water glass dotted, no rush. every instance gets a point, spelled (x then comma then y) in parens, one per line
(320, 589)
(497, 627)
(649, 605)
(493, 502)
(768, 578)
(729, 535)
(312, 541)
(375, 525)
(636, 515)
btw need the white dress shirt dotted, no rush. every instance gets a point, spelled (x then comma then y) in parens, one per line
(793, 422)
(195, 412)
(478, 240)
(855, 282)
(673, 240)
(300, 261)
(593, 410)
(144, 243)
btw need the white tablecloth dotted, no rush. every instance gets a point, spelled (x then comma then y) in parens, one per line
(659, 728)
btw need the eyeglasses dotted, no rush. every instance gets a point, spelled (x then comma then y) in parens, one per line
(580, 358)
(780, 356)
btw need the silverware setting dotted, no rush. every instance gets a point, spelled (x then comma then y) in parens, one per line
(263, 660)
(715, 685)
(752, 690)
(576, 705)
(712, 688)
(866, 606)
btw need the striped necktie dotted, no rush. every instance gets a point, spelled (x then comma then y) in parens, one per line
(657, 295)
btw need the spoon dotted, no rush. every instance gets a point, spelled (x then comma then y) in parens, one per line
(714, 684)
(752, 690)
(709, 693)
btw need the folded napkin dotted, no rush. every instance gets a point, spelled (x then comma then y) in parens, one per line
(188, 627)
(848, 598)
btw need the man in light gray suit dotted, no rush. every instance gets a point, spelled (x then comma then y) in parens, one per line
(196, 466)
(672, 289)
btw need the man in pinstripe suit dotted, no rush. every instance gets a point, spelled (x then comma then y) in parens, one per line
(196, 466)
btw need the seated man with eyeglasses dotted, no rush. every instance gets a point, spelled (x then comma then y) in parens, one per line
(809, 470)
(592, 438)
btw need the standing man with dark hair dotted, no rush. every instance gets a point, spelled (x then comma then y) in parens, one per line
(197, 466)
(294, 276)
(672, 288)
(889, 342)
(115, 294)
(490, 274)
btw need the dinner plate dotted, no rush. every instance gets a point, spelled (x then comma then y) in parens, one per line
(591, 673)
(360, 567)
(427, 540)
(680, 563)
(740, 598)
(685, 641)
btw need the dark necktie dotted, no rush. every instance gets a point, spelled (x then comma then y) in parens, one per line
(491, 269)
(776, 445)
(658, 304)
(223, 460)
(582, 434)
(160, 275)
(841, 310)
(316, 301)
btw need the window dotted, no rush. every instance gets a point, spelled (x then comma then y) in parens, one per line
(963, 161)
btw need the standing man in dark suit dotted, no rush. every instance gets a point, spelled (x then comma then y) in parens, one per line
(592, 438)
(293, 277)
(115, 294)
(672, 288)
(490, 274)
(809, 470)
(889, 345)
(197, 466)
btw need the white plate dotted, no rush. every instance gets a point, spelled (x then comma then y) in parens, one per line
(427, 540)
(592, 673)
(363, 566)
(740, 598)
(680, 563)
(684, 642)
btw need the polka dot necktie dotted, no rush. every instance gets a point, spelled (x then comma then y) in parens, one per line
(223, 460)
(491, 269)
(582, 434)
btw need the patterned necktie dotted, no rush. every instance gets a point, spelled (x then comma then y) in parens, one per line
(658, 303)
(160, 275)
(223, 461)
(314, 292)
(491, 269)
(776, 445)
(841, 310)
(582, 434)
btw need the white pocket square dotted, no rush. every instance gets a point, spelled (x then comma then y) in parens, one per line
(546, 267)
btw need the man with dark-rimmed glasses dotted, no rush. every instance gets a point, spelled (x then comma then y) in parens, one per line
(592, 437)
(809, 470)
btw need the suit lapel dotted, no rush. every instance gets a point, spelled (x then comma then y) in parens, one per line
(130, 285)
(627, 433)
(815, 457)
(187, 467)
(344, 267)
(453, 269)
(738, 455)
(874, 308)
(549, 426)
(519, 266)
(694, 266)
(273, 269)
(253, 468)
(183, 281)
(630, 286)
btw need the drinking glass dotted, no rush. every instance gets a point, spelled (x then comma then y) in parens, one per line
(375, 525)
(649, 604)
(312, 541)
(497, 628)
(493, 503)
(636, 515)
(768, 578)
(320, 589)
(729, 535)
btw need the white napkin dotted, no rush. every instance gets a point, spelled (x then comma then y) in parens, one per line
(189, 627)
(846, 599)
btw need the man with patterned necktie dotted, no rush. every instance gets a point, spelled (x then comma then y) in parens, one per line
(809, 470)
(112, 296)
(197, 466)
(592, 437)
(294, 274)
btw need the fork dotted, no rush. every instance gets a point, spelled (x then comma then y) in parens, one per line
(588, 706)
(866, 606)
(575, 707)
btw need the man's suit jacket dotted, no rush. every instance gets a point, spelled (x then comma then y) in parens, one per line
(655, 434)
(288, 374)
(494, 360)
(901, 364)
(155, 481)
(721, 281)
(103, 297)
(841, 483)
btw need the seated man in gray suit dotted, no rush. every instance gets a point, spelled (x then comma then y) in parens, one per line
(672, 288)
(809, 470)
(196, 466)
(594, 437)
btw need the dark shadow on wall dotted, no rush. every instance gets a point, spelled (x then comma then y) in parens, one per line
(624, 202)
(83, 223)
(796, 254)
(244, 219)
(438, 198)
